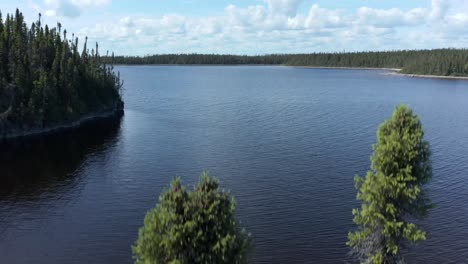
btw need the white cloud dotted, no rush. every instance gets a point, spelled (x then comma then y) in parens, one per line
(283, 7)
(439, 8)
(279, 26)
(246, 18)
(325, 18)
(391, 17)
(127, 21)
(71, 8)
(50, 13)
(459, 20)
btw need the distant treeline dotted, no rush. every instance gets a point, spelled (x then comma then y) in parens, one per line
(45, 80)
(446, 62)
(200, 59)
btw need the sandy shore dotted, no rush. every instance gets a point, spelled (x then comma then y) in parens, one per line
(391, 71)
(397, 73)
(348, 68)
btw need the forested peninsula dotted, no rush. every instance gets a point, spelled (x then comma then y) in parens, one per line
(441, 62)
(46, 83)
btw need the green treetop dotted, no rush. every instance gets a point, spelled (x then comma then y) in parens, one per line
(196, 226)
(392, 193)
(45, 81)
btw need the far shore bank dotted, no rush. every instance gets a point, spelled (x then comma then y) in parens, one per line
(392, 71)
(346, 68)
(276, 65)
(16, 133)
(397, 73)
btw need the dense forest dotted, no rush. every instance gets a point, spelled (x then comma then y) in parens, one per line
(45, 81)
(446, 62)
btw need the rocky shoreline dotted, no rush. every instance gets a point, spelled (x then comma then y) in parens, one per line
(37, 131)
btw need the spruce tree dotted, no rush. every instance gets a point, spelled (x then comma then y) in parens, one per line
(196, 226)
(45, 81)
(392, 193)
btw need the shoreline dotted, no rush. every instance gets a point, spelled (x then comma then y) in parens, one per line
(397, 73)
(199, 64)
(392, 71)
(261, 65)
(15, 134)
(346, 68)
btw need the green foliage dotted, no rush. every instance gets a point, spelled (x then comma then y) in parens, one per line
(196, 226)
(445, 62)
(392, 192)
(44, 80)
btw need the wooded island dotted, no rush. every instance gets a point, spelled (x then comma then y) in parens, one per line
(46, 83)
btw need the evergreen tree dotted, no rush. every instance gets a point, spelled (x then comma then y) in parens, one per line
(196, 226)
(392, 192)
(45, 81)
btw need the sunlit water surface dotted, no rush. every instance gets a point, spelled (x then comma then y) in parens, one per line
(287, 142)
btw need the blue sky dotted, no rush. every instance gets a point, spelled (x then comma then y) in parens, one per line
(255, 27)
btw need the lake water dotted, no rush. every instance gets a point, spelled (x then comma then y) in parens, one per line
(287, 143)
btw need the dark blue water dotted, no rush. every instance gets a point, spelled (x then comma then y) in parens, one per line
(287, 142)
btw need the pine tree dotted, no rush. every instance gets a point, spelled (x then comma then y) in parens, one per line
(196, 226)
(392, 192)
(45, 81)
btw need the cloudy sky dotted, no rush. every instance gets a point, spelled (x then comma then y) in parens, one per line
(137, 27)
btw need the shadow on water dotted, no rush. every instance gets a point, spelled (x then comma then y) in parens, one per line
(31, 166)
